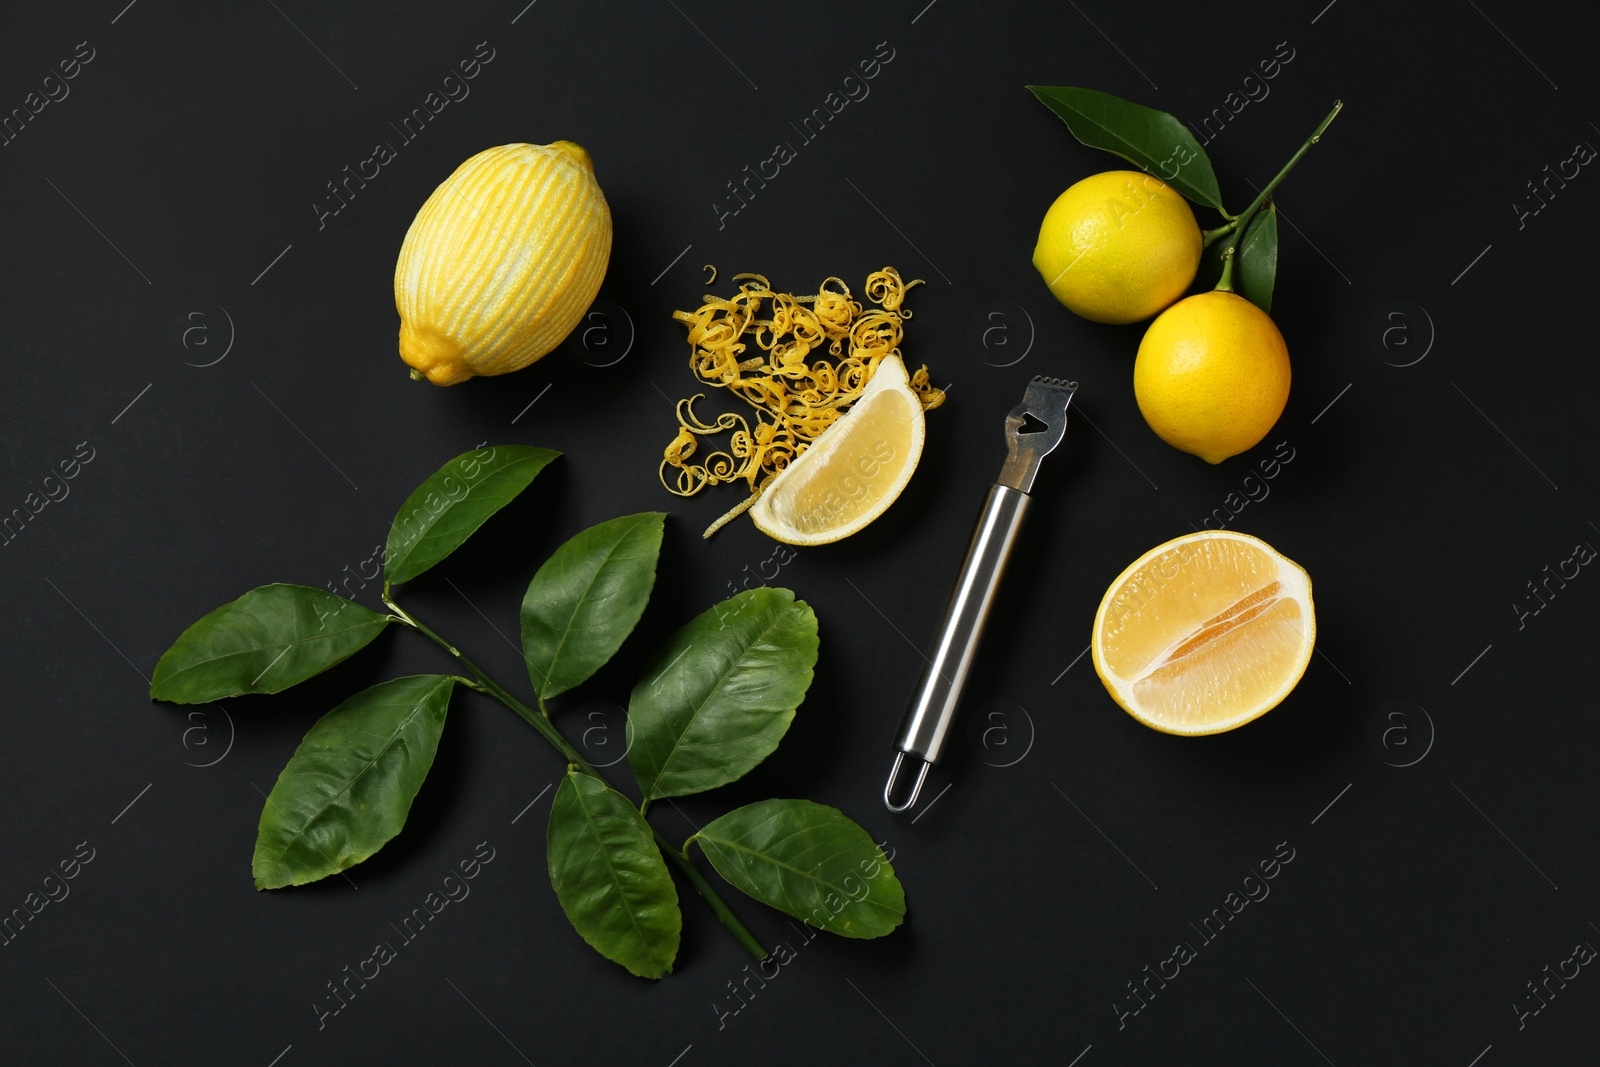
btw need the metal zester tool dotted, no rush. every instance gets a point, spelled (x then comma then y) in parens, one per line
(1033, 430)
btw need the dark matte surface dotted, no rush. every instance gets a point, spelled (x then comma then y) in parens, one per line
(173, 189)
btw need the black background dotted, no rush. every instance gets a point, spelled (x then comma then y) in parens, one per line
(1053, 859)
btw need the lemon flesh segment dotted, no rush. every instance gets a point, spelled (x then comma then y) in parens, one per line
(1205, 633)
(853, 471)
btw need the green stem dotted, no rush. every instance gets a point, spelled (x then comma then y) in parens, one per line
(492, 688)
(1225, 282)
(540, 721)
(686, 866)
(1239, 226)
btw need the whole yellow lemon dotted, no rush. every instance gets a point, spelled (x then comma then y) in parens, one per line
(1212, 375)
(1118, 247)
(501, 262)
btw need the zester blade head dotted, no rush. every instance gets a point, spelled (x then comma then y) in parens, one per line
(1034, 428)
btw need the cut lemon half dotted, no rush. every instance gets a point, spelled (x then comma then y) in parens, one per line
(1205, 633)
(853, 470)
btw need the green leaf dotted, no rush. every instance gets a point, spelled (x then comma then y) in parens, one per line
(348, 787)
(610, 877)
(269, 639)
(454, 501)
(586, 600)
(1255, 266)
(719, 696)
(1151, 140)
(810, 861)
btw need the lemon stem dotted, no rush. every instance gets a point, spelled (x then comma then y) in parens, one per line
(1225, 283)
(1239, 226)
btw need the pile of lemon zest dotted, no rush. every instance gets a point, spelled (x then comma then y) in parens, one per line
(800, 361)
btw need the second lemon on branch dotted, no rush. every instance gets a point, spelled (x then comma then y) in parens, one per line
(1212, 375)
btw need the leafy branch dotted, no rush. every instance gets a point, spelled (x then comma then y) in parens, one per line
(712, 704)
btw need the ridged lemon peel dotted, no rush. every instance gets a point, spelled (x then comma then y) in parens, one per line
(501, 261)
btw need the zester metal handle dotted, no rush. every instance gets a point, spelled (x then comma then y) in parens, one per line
(927, 721)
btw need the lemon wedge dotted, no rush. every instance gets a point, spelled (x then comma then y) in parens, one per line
(1205, 633)
(853, 470)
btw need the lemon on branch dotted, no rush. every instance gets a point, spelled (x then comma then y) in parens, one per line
(1118, 247)
(1212, 375)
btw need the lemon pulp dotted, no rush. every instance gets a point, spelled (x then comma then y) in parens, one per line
(1205, 633)
(853, 471)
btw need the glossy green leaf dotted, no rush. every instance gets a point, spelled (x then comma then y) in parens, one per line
(1151, 140)
(348, 787)
(1255, 267)
(610, 877)
(1256, 271)
(719, 696)
(269, 639)
(586, 599)
(809, 861)
(455, 500)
